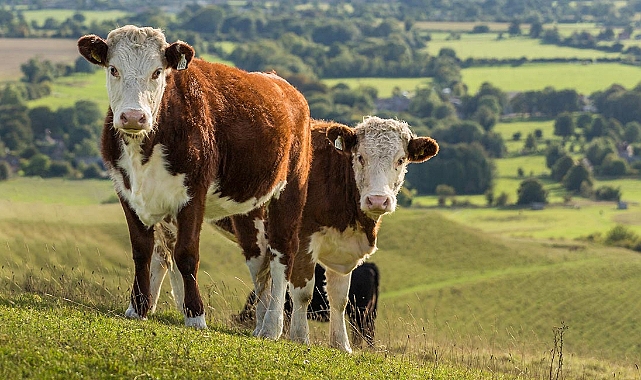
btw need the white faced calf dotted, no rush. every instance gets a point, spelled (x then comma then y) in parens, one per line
(355, 177)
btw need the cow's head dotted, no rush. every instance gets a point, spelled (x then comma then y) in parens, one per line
(381, 149)
(137, 61)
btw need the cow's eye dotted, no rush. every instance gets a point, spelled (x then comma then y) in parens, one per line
(156, 73)
(114, 72)
(400, 162)
(360, 159)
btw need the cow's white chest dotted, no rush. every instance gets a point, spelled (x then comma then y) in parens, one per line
(340, 251)
(153, 192)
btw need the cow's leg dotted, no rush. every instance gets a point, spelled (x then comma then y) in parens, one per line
(161, 260)
(337, 290)
(250, 232)
(285, 214)
(142, 246)
(301, 289)
(187, 257)
(301, 297)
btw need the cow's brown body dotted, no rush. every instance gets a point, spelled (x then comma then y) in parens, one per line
(236, 139)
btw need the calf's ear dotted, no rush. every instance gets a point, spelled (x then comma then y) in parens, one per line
(422, 149)
(94, 49)
(178, 55)
(343, 137)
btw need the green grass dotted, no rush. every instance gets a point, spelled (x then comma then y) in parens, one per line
(489, 47)
(474, 298)
(585, 79)
(66, 91)
(39, 16)
(48, 337)
(384, 86)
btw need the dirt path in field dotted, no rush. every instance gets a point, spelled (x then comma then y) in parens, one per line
(17, 51)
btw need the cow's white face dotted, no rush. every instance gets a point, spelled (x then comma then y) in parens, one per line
(137, 61)
(381, 149)
(136, 81)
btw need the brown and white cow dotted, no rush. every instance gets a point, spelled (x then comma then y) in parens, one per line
(186, 140)
(355, 176)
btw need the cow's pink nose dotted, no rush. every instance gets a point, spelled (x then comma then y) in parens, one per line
(133, 119)
(378, 203)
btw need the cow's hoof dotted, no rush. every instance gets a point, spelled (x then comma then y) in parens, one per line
(347, 349)
(196, 322)
(270, 334)
(132, 314)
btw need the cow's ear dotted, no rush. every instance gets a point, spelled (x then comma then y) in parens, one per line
(343, 137)
(422, 149)
(94, 49)
(178, 55)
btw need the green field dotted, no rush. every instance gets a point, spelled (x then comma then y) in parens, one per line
(488, 46)
(39, 16)
(449, 293)
(585, 79)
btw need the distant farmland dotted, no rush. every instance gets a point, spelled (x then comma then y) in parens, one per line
(17, 51)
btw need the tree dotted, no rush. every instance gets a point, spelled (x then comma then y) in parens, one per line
(613, 165)
(632, 132)
(530, 143)
(576, 176)
(561, 167)
(564, 125)
(514, 29)
(15, 128)
(531, 190)
(465, 167)
(5, 170)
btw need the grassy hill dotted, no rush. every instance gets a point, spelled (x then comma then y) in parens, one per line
(450, 295)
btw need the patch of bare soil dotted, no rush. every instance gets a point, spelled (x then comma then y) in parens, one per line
(17, 51)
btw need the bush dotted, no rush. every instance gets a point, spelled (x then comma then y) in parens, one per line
(607, 193)
(5, 170)
(531, 190)
(621, 236)
(404, 197)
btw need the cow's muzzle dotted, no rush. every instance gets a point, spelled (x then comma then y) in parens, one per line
(377, 205)
(133, 122)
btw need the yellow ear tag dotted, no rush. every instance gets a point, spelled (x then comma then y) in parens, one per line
(338, 143)
(95, 57)
(182, 64)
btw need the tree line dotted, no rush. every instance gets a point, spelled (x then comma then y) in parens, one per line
(311, 43)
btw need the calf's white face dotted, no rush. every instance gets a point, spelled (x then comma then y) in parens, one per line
(381, 149)
(136, 60)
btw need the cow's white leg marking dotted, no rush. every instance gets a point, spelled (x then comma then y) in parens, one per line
(301, 297)
(337, 293)
(273, 321)
(261, 290)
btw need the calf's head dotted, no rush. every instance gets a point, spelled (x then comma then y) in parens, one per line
(137, 61)
(381, 149)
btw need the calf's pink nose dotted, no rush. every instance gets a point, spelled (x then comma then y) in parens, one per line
(378, 203)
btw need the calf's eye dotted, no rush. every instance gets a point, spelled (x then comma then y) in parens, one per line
(361, 160)
(114, 72)
(156, 74)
